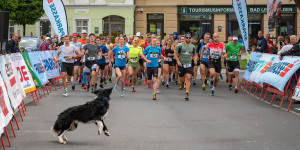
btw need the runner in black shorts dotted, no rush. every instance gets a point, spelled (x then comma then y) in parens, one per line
(169, 65)
(184, 53)
(204, 55)
(78, 69)
(69, 54)
(216, 50)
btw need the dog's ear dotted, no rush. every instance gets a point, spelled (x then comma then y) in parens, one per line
(97, 91)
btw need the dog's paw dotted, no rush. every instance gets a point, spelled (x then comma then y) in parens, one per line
(62, 142)
(99, 132)
(107, 133)
(65, 139)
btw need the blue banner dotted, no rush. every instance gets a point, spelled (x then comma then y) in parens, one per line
(51, 68)
(281, 71)
(254, 57)
(55, 10)
(240, 9)
(38, 66)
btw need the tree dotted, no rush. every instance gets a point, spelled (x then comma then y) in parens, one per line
(27, 12)
(8, 5)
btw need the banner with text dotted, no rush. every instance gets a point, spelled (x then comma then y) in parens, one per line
(6, 112)
(55, 10)
(23, 72)
(36, 80)
(280, 72)
(240, 8)
(263, 64)
(12, 81)
(254, 57)
(51, 68)
(38, 66)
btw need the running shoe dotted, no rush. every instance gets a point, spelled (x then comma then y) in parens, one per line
(157, 92)
(203, 87)
(130, 82)
(73, 87)
(154, 97)
(122, 93)
(212, 92)
(230, 87)
(194, 82)
(66, 92)
(133, 89)
(126, 83)
(115, 88)
(186, 97)
(221, 76)
(236, 90)
(105, 81)
(84, 87)
(163, 82)
(149, 85)
(167, 85)
(145, 82)
(88, 88)
(211, 84)
(139, 81)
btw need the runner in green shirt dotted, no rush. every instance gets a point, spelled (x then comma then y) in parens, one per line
(135, 52)
(233, 54)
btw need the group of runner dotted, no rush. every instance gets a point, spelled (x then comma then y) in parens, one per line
(91, 59)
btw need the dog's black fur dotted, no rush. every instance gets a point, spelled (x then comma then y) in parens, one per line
(94, 111)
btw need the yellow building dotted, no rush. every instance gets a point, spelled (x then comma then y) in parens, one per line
(163, 17)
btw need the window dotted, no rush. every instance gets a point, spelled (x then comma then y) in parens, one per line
(11, 30)
(287, 24)
(45, 27)
(197, 24)
(254, 25)
(113, 26)
(155, 24)
(81, 25)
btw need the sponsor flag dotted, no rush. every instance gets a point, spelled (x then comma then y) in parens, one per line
(56, 12)
(240, 9)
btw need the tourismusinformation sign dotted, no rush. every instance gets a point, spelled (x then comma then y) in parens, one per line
(23, 72)
(274, 14)
(14, 89)
(37, 81)
(263, 64)
(6, 112)
(240, 8)
(279, 73)
(55, 10)
(254, 57)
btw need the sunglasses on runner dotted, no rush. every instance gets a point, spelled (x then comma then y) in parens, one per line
(188, 37)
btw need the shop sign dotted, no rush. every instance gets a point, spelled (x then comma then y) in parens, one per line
(229, 9)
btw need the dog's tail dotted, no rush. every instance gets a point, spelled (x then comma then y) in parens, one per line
(54, 133)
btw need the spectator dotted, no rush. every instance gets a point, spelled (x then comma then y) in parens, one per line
(42, 38)
(270, 44)
(12, 45)
(53, 45)
(280, 43)
(287, 46)
(46, 45)
(294, 51)
(56, 39)
(262, 45)
(129, 42)
(62, 41)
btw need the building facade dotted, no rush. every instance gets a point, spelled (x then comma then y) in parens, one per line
(198, 17)
(107, 17)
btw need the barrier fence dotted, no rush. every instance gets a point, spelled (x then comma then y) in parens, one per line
(24, 74)
(272, 75)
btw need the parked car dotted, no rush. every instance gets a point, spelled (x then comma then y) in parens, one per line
(30, 44)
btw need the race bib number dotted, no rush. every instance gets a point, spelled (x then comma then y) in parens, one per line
(153, 55)
(133, 59)
(91, 58)
(169, 59)
(187, 66)
(215, 54)
(121, 55)
(233, 56)
(66, 58)
(205, 55)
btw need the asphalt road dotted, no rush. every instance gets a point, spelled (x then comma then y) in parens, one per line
(227, 121)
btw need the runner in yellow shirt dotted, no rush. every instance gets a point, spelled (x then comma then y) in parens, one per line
(135, 52)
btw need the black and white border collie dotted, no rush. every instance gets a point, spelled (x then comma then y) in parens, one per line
(91, 112)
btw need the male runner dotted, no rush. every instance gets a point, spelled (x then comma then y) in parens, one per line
(77, 64)
(69, 54)
(184, 53)
(233, 53)
(204, 56)
(90, 50)
(216, 50)
(152, 53)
